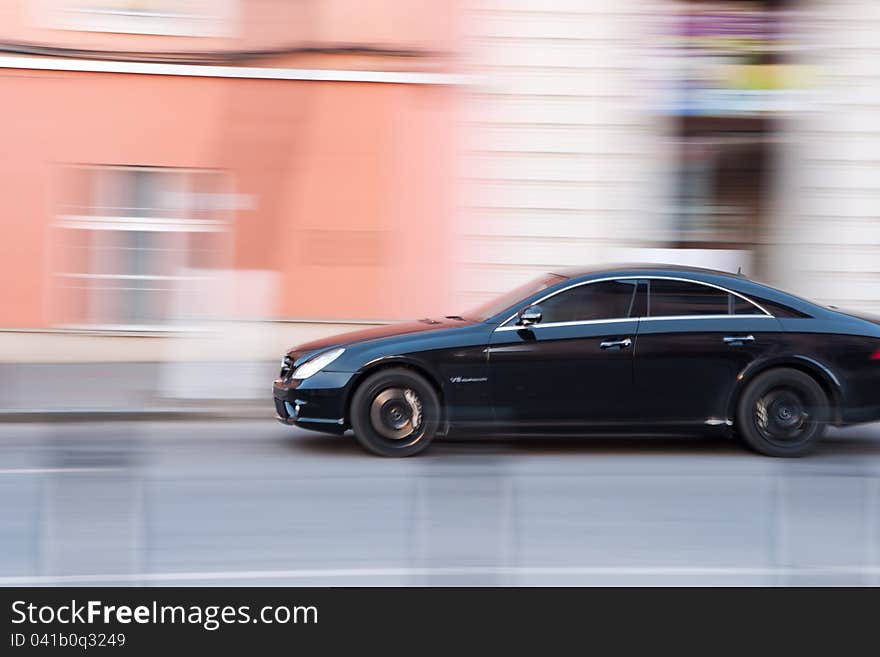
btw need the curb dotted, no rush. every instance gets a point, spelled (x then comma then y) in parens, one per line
(139, 414)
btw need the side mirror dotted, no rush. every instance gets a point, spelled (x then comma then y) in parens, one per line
(530, 315)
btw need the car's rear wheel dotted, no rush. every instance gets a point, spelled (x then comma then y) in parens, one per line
(395, 412)
(782, 412)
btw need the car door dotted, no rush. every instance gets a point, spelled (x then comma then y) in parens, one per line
(574, 366)
(692, 345)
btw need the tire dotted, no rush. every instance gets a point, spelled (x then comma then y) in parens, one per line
(782, 412)
(395, 412)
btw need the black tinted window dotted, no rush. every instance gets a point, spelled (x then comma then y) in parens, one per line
(777, 309)
(743, 307)
(674, 298)
(605, 300)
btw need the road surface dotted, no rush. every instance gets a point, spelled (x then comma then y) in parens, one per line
(256, 503)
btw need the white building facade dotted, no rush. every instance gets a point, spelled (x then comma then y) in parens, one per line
(720, 133)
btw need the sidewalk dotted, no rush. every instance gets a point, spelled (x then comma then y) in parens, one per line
(143, 391)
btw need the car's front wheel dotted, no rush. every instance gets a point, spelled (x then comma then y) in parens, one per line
(395, 412)
(782, 412)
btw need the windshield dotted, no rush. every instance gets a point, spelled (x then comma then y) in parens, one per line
(491, 308)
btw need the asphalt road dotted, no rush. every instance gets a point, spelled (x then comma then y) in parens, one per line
(235, 503)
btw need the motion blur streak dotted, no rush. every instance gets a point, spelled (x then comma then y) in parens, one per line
(168, 236)
(257, 503)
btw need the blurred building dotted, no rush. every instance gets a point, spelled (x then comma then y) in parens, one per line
(725, 133)
(563, 161)
(293, 166)
(167, 163)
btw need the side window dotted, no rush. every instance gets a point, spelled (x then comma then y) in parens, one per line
(777, 309)
(675, 298)
(604, 300)
(743, 307)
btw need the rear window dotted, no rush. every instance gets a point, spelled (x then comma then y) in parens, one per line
(680, 298)
(743, 307)
(777, 309)
(669, 298)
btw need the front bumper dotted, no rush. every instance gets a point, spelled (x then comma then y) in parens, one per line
(316, 403)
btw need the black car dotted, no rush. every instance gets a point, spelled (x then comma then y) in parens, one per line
(634, 348)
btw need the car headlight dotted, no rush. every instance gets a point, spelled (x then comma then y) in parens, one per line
(317, 363)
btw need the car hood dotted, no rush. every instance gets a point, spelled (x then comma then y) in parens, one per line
(300, 352)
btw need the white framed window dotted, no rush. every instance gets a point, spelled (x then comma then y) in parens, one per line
(197, 18)
(135, 244)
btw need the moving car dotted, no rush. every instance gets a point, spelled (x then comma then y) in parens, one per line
(647, 348)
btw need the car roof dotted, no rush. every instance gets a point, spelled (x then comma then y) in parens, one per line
(637, 268)
(737, 282)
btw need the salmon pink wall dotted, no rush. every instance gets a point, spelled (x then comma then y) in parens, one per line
(370, 204)
(426, 24)
(351, 183)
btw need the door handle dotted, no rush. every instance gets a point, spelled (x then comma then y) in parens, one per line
(736, 340)
(616, 344)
